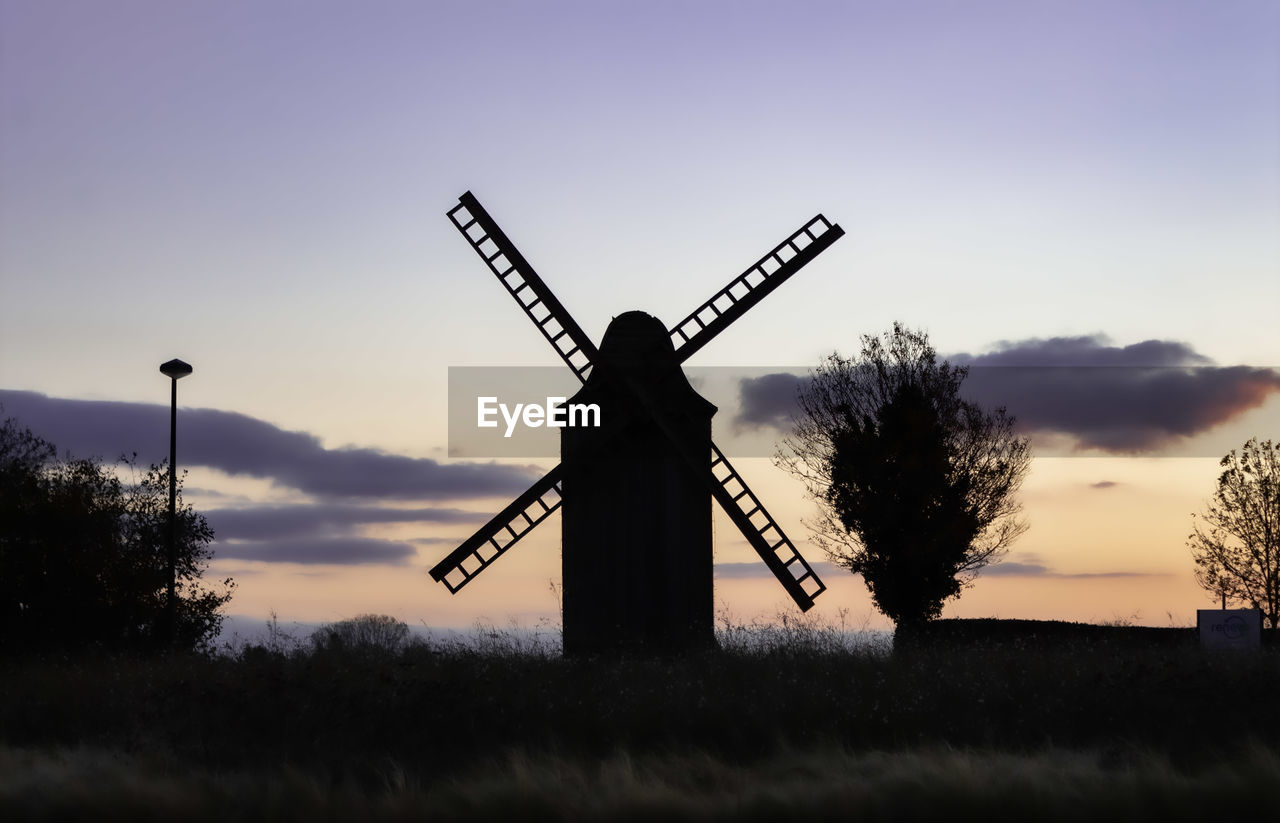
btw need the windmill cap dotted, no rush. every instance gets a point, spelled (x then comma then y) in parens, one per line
(637, 344)
(635, 335)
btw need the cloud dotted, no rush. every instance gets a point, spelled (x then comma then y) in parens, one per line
(193, 491)
(345, 551)
(1085, 350)
(1120, 400)
(303, 520)
(1032, 566)
(757, 569)
(1104, 484)
(769, 400)
(1123, 410)
(239, 444)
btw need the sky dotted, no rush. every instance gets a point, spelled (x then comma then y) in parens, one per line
(260, 188)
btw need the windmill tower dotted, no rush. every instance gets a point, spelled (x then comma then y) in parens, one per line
(636, 538)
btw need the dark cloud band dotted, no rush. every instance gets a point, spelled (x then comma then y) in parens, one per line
(1015, 569)
(1084, 350)
(758, 570)
(239, 444)
(1124, 410)
(1122, 400)
(344, 551)
(302, 520)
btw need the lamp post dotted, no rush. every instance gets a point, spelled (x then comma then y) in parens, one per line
(174, 369)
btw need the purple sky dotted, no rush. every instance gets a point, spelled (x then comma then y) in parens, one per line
(259, 188)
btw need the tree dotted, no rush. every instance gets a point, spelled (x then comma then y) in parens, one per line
(915, 486)
(364, 632)
(83, 556)
(1236, 542)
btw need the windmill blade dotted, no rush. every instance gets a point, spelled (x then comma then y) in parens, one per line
(524, 284)
(750, 287)
(500, 534)
(763, 533)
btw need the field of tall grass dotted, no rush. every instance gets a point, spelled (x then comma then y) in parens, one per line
(930, 783)
(790, 715)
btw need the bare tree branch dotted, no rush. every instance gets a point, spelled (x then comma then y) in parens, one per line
(1235, 543)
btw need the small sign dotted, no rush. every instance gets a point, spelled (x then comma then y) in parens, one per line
(1230, 628)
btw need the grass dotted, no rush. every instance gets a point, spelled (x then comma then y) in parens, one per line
(794, 714)
(1052, 785)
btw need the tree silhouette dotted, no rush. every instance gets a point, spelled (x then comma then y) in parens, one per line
(915, 486)
(1236, 543)
(83, 558)
(364, 632)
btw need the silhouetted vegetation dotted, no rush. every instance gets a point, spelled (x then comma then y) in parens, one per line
(475, 724)
(958, 634)
(915, 485)
(369, 633)
(827, 783)
(443, 703)
(83, 555)
(1237, 549)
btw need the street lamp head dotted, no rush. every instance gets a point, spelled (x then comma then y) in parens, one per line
(175, 368)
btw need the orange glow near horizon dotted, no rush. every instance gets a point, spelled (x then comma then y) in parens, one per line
(1093, 553)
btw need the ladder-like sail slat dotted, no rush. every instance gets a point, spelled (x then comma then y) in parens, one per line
(523, 283)
(500, 533)
(779, 554)
(753, 285)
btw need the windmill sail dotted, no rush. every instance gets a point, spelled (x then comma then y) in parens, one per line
(712, 471)
(763, 533)
(500, 534)
(753, 285)
(524, 284)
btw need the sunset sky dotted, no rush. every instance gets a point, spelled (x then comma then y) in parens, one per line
(260, 188)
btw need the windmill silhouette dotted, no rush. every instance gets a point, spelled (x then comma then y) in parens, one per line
(636, 537)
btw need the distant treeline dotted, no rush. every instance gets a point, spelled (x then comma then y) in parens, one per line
(1056, 633)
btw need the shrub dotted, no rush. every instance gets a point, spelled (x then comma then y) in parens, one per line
(365, 632)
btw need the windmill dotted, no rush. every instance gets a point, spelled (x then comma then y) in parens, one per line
(636, 536)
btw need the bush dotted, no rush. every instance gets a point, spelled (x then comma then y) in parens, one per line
(365, 632)
(84, 555)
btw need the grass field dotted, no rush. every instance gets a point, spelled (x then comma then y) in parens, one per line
(792, 717)
(1053, 785)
